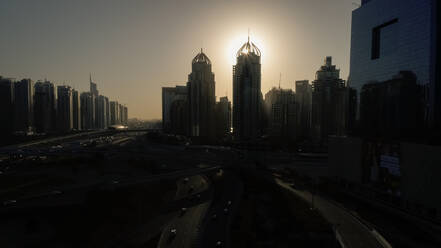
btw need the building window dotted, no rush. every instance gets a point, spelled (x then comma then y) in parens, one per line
(376, 38)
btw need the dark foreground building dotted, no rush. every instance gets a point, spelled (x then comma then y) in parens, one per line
(223, 117)
(247, 94)
(280, 110)
(201, 98)
(328, 103)
(24, 105)
(45, 107)
(393, 109)
(398, 35)
(6, 106)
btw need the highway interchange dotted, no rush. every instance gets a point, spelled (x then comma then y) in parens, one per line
(198, 211)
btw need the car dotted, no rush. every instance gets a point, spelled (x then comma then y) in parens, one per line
(229, 203)
(214, 217)
(9, 202)
(191, 189)
(219, 243)
(186, 180)
(226, 210)
(173, 232)
(183, 211)
(56, 192)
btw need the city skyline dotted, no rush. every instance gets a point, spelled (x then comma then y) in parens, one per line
(285, 123)
(125, 68)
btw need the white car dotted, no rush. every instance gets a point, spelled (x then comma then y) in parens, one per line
(9, 202)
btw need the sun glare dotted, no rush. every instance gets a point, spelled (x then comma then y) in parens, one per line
(236, 43)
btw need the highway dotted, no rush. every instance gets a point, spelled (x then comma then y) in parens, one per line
(217, 223)
(353, 231)
(185, 224)
(75, 194)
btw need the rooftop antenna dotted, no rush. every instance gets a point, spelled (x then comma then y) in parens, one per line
(248, 35)
(202, 45)
(280, 80)
(90, 77)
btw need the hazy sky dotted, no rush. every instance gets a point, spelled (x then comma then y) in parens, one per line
(133, 48)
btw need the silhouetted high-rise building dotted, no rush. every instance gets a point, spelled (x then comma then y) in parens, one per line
(392, 109)
(6, 106)
(94, 94)
(223, 117)
(169, 95)
(280, 109)
(120, 113)
(114, 113)
(247, 95)
(45, 107)
(86, 100)
(304, 109)
(329, 98)
(179, 117)
(24, 105)
(398, 35)
(76, 110)
(126, 115)
(201, 97)
(101, 112)
(107, 103)
(64, 109)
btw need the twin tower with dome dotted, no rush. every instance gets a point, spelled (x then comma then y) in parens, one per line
(192, 110)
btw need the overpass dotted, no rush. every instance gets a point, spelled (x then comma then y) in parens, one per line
(85, 134)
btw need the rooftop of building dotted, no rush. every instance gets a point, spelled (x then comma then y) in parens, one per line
(248, 48)
(201, 58)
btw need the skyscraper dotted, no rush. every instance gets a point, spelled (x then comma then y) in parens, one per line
(86, 111)
(94, 94)
(24, 105)
(45, 107)
(6, 105)
(114, 113)
(179, 118)
(398, 35)
(201, 97)
(304, 105)
(64, 109)
(169, 95)
(126, 115)
(120, 113)
(280, 109)
(76, 106)
(329, 98)
(101, 111)
(107, 103)
(247, 95)
(223, 117)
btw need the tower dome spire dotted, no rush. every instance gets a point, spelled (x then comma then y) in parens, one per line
(248, 48)
(201, 58)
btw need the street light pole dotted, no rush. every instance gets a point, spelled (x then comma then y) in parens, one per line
(312, 194)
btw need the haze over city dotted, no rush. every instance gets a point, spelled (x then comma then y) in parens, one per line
(134, 49)
(228, 124)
